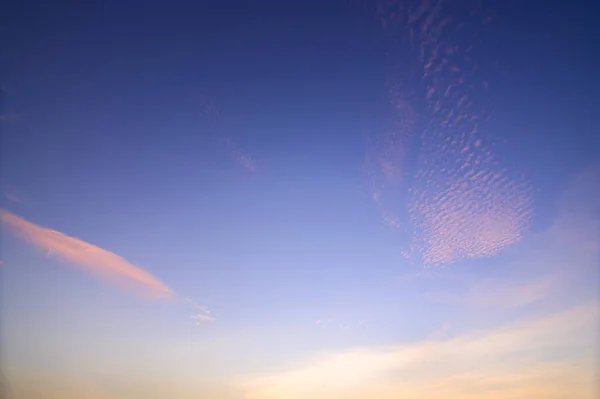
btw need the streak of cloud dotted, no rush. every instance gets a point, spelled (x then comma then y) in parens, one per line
(13, 195)
(324, 324)
(212, 112)
(201, 318)
(88, 256)
(500, 295)
(514, 360)
(95, 260)
(240, 156)
(490, 294)
(204, 314)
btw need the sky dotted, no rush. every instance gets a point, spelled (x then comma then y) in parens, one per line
(259, 199)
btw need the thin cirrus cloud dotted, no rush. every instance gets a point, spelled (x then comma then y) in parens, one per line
(322, 323)
(489, 294)
(203, 315)
(9, 195)
(12, 195)
(525, 358)
(242, 158)
(202, 318)
(499, 294)
(212, 112)
(91, 258)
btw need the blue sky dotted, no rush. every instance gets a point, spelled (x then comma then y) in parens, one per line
(338, 194)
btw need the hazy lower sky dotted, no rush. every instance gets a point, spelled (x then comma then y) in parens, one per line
(291, 200)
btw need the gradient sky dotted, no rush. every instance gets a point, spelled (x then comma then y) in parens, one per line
(286, 200)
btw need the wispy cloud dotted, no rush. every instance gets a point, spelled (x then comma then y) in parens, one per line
(240, 156)
(204, 314)
(13, 195)
(323, 323)
(88, 256)
(491, 294)
(494, 293)
(202, 318)
(211, 112)
(521, 359)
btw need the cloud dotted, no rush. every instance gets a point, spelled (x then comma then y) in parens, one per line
(13, 195)
(201, 318)
(240, 156)
(204, 315)
(547, 357)
(491, 294)
(549, 262)
(458, 201)
(88, 256)
(494, 293)
(203, 308)
(320, 323)
(212, 112)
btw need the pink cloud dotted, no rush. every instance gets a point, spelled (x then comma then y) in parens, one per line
(87, 256)
(201, 318)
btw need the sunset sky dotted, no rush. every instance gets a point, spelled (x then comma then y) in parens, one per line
(292, 200)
